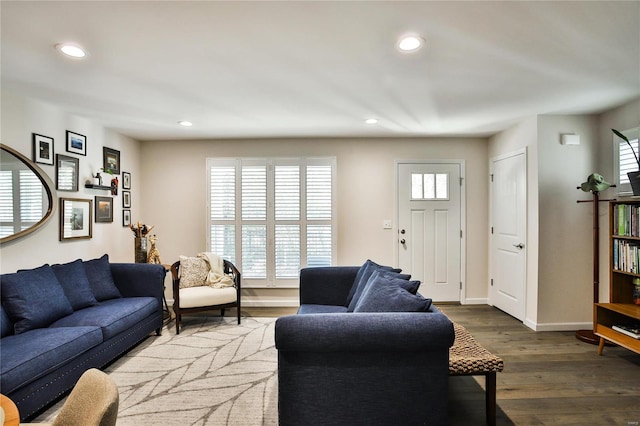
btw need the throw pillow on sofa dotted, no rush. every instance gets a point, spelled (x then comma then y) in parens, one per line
(74, 282)
(100, 279)
(387, 294)
(34, 298)
(363, 275)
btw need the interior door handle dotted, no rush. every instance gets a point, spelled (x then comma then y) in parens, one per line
(520, 246)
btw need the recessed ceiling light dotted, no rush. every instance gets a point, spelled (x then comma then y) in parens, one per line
(185, 123)
(71, 50)
(371, 121)
(410, 43)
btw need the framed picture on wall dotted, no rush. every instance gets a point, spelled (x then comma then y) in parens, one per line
(76, 143)
(111, 160)
(66, 173)
(126, 180)
(104, 209)
(42, 149)
(75, 219)
(126, 217)
(126, 199)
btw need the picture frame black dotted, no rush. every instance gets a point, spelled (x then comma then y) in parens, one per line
(104, 209)
(126, 199)
(126, 180)
(75, 219)
(42, 149)
(76, 143)
(126, 217)
(111, 160)
(67, 173)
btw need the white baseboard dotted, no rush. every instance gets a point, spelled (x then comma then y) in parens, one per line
(474, 301)
(559, 326)
(271, 303)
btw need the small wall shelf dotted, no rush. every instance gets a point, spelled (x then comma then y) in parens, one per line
(92, 186)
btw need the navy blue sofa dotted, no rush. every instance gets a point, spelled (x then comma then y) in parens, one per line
(337, 367)
(59, 321)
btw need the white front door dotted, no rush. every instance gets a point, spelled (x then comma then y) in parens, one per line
(429, 231)
(508, 233)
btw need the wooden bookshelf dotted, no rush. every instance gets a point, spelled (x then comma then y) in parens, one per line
(624, 266)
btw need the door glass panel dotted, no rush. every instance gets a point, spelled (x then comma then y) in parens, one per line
(429, 186)
(416, 185)
(442, 186)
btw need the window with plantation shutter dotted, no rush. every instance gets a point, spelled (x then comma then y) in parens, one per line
(22, 185)
(625, 160)
(272, 217)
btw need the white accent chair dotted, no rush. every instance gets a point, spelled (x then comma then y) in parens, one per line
(204, 298)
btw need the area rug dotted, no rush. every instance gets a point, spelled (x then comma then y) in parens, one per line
(214, 372)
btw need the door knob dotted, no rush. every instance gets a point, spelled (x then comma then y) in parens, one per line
(402, 241)
(520, 246)
(402, 231)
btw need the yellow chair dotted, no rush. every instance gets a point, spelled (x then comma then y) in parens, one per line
(188, 300)
(92, 402)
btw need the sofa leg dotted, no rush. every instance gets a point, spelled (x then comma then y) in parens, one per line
(159, 331)
(490, 399)
(222, 312)
(178, 319)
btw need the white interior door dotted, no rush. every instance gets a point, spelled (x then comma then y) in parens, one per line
(429, 231)
(509, 232)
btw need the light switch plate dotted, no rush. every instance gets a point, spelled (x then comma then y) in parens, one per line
(387, 224)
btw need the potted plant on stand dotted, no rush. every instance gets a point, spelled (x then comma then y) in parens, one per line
(634, 177)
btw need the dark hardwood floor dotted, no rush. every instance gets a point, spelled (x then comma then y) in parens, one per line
(549, 378)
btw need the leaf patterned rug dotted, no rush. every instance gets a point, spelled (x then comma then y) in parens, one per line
(214, 372)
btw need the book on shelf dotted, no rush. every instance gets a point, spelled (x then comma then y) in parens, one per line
(632, 331)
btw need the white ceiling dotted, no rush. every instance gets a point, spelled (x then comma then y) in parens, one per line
(320, 68)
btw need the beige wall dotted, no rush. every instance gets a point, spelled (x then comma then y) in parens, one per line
(524, 135)
(565, 271)
(559, 231)
(622, 118)
(168, 191)
(20, 118)
(174, 201)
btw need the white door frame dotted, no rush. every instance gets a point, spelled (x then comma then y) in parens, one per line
(463, 216)
(521, 151)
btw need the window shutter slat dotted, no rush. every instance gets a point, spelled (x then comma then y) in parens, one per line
(254, 192)
(319, 245)
(319, 192)
(254, 251)
(287, 192)
(627, 160)
(223, 193)
(287, 246)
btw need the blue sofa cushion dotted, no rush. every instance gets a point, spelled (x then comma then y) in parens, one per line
(386, 294)
(113, 316)
(362, 278)
(35, 353)
(74, 282)
(321, 309)
(100, 279)
(6, 325)
(34, 298)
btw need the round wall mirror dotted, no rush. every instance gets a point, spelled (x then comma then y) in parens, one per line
(26, 198)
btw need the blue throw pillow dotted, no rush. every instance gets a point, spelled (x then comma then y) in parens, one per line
(363, 275)
(386, 294)
(6, 325)
(100, 279)
(34, 298)
(74, 282)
